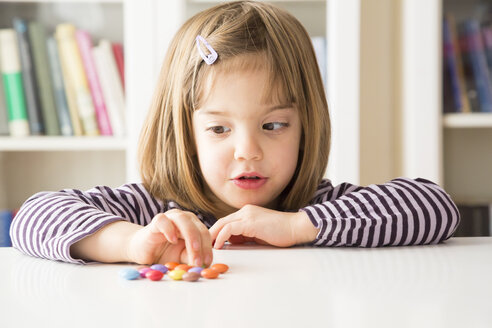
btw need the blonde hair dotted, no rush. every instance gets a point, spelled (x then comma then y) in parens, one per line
(168, 160)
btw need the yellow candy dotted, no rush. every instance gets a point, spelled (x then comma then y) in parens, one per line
(176, 274)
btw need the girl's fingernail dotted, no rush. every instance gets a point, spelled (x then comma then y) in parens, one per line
(196, 245)
(207, 260)
(198, 262)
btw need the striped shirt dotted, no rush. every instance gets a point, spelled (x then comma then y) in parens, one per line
(400, 212)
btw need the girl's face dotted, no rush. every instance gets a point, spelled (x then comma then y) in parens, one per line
(247, 149)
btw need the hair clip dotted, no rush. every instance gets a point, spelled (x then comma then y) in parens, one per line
(210, 58)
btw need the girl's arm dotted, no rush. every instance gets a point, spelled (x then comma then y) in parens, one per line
(400, 212)
(49, 223)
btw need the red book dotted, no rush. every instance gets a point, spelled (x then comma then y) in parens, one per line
(120, 61)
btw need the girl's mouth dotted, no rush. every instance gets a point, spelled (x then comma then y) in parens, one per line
(250, 180)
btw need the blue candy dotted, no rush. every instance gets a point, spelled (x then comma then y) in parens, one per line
(129, 274)
(159, 267)
(196, 269)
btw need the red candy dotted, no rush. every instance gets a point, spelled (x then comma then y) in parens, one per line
(154, 275)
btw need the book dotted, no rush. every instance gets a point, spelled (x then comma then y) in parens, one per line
(31, 95)
(111, 85)
(5, 222)
(37, 38)
(4, 121)
(120, 61)
(319, 45)
(76, 80)
(63, 112)
(487, 44)
(451, 87)
(12, 81)
(478, 64)
(453, 30)
(468, 76)
(85, 45)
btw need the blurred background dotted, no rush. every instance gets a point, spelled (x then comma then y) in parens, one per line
(408, 83)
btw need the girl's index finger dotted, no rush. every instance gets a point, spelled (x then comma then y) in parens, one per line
(217, 227)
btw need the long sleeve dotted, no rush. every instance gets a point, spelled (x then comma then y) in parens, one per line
(48, 223)
(401, 212)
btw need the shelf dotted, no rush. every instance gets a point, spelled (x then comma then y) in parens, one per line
(62, 143)
(467, 120)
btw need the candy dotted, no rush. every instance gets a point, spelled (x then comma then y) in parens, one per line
(191, 276)
(154, 275)
(184, 267)
(171, 265)
(196, 269)
(159, 267)
(209, 273)
(129, 273)
(220, 267)
(143, 271)
(176, 274)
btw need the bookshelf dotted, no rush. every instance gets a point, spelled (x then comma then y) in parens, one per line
(467, 156)
(36, 163)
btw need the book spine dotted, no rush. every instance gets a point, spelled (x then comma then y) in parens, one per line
(120, 61)
(4, 120)
(70, 96)
(319, 46)
(85, 46)
(487, 44)
(72, 62)
(30, 89)
(58, 88)
(466, 107)
(5, 222)
(37, 38)
(111, 86)
(451, 70)
(471, 89)
(479, 65)
(12, 80)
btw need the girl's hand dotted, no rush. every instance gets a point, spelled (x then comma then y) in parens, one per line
(174, 236)
(265, 226)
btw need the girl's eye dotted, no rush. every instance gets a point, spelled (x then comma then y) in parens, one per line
(219, 129)
(274, 126)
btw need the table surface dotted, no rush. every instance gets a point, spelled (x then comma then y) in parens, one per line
(446, 285)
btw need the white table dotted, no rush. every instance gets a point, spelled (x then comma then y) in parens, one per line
(447, 285)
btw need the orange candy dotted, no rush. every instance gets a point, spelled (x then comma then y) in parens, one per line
(220, 267)
(184, 267)
(209, 273)
(171, 265)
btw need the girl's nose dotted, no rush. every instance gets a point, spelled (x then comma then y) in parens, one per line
(247, 148)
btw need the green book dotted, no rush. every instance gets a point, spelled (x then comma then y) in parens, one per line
(37, 37)
(31, 96)
(12, 80)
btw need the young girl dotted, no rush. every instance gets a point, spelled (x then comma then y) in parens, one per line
(234, 147)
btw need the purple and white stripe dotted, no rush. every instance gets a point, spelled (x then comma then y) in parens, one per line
(400, 212)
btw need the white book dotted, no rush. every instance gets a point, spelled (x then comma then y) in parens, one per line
(111, 86)
(319, 45)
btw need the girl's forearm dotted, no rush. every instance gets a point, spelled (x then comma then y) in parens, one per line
(109, 244)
